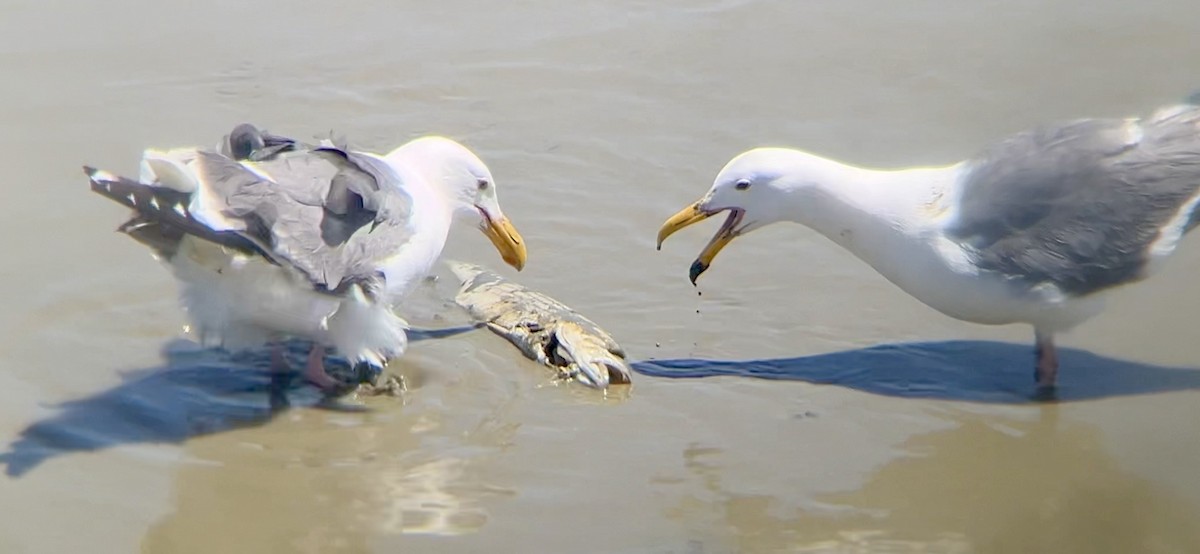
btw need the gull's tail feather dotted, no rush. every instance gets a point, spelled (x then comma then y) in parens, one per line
(162, 217)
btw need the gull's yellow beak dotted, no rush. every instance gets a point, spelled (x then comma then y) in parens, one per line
(687, 216)
(693, 214)
(506, 239)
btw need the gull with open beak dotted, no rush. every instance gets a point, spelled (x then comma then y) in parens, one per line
(1036, 228)
(699, 212)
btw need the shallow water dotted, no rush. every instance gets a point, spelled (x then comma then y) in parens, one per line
(856, 420)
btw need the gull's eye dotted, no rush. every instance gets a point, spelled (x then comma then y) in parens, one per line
(742, 184)
(483, 184)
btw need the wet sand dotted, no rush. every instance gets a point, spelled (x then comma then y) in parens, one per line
(855, 419)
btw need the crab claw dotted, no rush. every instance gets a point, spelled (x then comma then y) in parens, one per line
(600, 373)
(589, 362)
(589, 374)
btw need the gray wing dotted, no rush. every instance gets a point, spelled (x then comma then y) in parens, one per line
(1079, 205)
(330, 213)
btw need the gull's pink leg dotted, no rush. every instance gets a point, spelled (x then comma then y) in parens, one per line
(314, 370)
(1047, 360)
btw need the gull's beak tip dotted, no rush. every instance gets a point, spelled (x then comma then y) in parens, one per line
(663, 233)
(518, 260)
(507, 240)
(694, 272)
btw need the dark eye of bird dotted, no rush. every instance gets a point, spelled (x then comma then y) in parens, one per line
(483, 184)
(742, 185)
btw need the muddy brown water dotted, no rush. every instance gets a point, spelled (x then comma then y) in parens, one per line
(881, 426)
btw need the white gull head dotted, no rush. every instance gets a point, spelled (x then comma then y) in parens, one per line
(757, 188)
(466, 187)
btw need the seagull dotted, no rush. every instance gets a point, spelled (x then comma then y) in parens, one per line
(272, 239)
(1036, 229)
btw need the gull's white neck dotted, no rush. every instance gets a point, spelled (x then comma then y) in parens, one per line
(890, 219)
(834, 198)
(429, 219)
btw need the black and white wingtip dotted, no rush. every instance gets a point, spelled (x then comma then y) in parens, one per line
(166, 207)
(146, 199)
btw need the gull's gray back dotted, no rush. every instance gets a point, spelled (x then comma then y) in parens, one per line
(1078, 205)
(327, 212)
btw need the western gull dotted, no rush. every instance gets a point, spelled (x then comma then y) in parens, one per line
(1035, 229)
(271, 238)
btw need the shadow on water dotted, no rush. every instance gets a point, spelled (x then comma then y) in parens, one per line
(197, 391)
(203, 391)
(974, 371)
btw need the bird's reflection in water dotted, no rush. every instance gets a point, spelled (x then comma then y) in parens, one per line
(327, 481)
(423, 501)
(1027, 484)
(329, 502)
